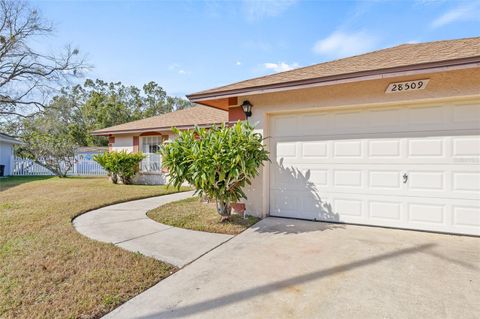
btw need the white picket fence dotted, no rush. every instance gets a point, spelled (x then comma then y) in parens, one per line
(84, 166)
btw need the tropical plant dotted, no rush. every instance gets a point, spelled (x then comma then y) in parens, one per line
(218, 161)
(109, 164)
(120, 165)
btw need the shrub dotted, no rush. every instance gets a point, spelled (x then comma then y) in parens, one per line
(121, 165)
(106, 161)
(218, 161)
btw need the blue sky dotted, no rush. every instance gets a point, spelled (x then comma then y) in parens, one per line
(187, 46)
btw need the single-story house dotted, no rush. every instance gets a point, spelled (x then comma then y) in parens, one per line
(6, 154)
(148, 134)
(388, 138)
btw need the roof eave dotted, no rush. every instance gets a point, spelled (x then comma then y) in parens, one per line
(334, 79)
(152, 129)
(15, 142)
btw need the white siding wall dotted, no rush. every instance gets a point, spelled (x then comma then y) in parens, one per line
(6, 152)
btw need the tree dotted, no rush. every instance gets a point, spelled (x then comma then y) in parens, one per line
(28, 76)
(219, 162)
(99, 104)
(47, 141)
(155, 101)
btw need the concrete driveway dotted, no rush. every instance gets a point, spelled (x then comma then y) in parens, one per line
(284, 268)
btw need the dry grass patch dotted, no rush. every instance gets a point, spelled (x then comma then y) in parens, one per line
(193, 214)
(48, 269)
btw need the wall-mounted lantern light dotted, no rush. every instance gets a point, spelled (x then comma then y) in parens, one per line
(247, 108)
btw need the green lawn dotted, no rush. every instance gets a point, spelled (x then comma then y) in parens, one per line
(48, 269)
(193, 214)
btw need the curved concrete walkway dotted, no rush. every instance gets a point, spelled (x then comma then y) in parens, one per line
(127, 225)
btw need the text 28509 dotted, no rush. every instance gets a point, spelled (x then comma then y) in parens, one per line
(406, 86)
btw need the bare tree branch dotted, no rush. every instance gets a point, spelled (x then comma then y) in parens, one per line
(28, 76)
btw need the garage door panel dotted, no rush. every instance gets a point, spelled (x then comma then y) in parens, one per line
(349, 208)
(384, 179)
(426, 147)
(466, 146)
(354, 171)
(402, 150)
(347, 178)
(285, 201)
(311, 205)
(466, 216)
(384, 148)
(319, 177)
(466, 182)
(426, 180)
(385, 210)
(286, 149)
(315, 150)
(347, 148)
(446, 181)
(422, 213)
(288, 177)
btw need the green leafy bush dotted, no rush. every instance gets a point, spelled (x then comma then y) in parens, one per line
(121, 165)
(218, 161)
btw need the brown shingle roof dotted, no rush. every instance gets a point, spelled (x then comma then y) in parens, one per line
(197, 115)
(390, 58)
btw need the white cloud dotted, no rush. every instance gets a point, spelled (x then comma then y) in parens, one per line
(177, 68)
(280, 67)
(173, 66)
(461, 13)
(258, 9)
(342, 44)
(429, 2)
(238, 63)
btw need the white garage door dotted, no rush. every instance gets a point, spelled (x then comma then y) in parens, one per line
(406, 167)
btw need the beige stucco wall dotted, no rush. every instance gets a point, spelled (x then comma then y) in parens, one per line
(124, 142)
(443, 87)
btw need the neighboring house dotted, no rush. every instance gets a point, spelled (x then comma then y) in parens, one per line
(87, 152)
(387, 138)
(148, 134)
(6, 154)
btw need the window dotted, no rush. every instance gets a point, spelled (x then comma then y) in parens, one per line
(151, 144)
(150, 147)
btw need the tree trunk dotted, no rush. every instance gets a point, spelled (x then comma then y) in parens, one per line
(126, 180)
(224, 209)
(114, 178)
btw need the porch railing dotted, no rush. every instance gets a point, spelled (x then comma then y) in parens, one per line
(152, 163)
